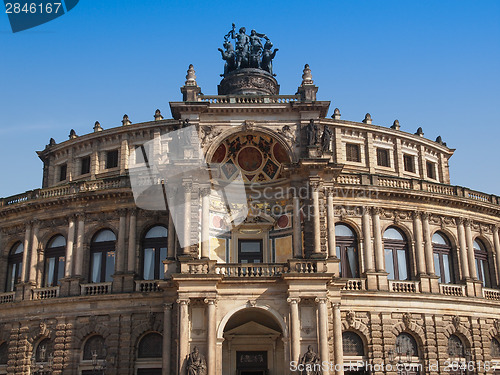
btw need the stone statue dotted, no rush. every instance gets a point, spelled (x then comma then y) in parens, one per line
(311, 362)
(267, 57)
(196, 364)
(242, 46)
(312, 133)
(255, 48)
(326, 139)
(229, 55)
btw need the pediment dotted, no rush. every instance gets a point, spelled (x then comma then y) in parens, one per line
(252, 329)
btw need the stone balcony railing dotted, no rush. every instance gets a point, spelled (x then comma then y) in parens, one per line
(400, 286)
(94, 289)
(45, 293)
(7, 297)
(452, 290)
(249, 99)
(353, 285)
(493, 294)
(146, 286)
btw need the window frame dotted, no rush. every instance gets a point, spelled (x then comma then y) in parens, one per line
(482, 257)
(255, 256)
(383, 157)
(83, 163)
(104, 248)
(394, 246)
(155, 243)
(341, 245)
(63, 172)
(442, 250)
(430, 166)
(348, 155)
(409, 161)
(14, 260)
(54, 252)
(110, 157)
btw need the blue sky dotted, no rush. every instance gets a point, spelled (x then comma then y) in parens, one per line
(433, 64)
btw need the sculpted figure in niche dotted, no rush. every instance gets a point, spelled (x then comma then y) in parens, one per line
(312, 133)
(196, 364)
(326, 139)
(311, 362)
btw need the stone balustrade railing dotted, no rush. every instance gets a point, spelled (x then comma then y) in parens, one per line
(146, 286)
(493, 294)
(355, 284)
(400, 286)
(249, 99)
(251, 269)
(45, 293)
(7, 297)
(94, 289)
(452, 290)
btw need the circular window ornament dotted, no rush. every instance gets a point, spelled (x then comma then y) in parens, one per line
(250, 159)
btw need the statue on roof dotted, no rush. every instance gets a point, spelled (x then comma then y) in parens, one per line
(249, 51)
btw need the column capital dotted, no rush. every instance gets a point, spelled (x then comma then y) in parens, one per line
(205, 191)
(133, 211)
(182, 301)
(168, 306)
(210, 301)
(188, 186)
(377, 211)
(460, 220)
(293, 300)
(416, 214)
(81, 216)
(495, 228)
(467, 222)
(426, 216)
(315, 185)
(122, 212)
(321, 300)
(336, 305)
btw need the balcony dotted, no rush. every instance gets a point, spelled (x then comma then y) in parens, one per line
(7, 297)
(452, 290)
(45, 293)
(493, 294)
(400, 286)
(147, 286)
(95, 289)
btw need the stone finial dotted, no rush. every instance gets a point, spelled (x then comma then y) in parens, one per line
(420, 132)
(439, 140)
(126, 120)
(97, 127)
(158, 115)
(72, 134)
(368, 119)
(307, 78)
(336, 114)
(191, 76)
(52, 142)
(395, 125)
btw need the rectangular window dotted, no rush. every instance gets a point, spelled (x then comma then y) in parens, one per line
(437, 266)
(389, 264)
(110, 265)
(112, 159)
(149, 264)
(431, 170)
(402, 265)
(409, 163)
(250, 251)
(63, 169)
(353, 152)
(383, 158)
(85, 165)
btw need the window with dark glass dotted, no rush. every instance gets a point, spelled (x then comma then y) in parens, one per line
(495, 348)
(102, 256)
(154, 247)
(4, 353)
(150, 346)
(85, 165)
(43, 350)
(443, 262)
(94, 344)
(396, 255)
(482, 264)
(63, 169)
(15, 265)
(457, 352)
(431, 170)
(353, 152)
(409, 163)
(352, 344)
(112, 159)
(406, 345)
(55, 259)
(383, 158)
(250, 251)
(347, 251)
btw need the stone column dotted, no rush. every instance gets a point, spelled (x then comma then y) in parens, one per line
(211, 336)
(294, 328)
(167, 338)
(131, 257)
(26, 243)
(419, 251)
(470, 250)
(429, 254)
(377, 235)
(337, 339)
(187, 219)
(463, 248)
(34, 253)
(69, 248)
(205, 224)
(171, 237)
(496, 242)
(79, 245)
(297, 233)
(332, 252)
(316, 219)
(323, 331)
(367, 241)
(120, 248)
(183, 333)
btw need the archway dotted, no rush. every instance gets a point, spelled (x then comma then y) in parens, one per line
(252, 342)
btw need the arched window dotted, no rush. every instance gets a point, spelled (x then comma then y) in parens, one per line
(15, 266)
(43, 351)
(456, 348)
(347, 251)
(94, 346)
(396, 255)
(55, 260)
(4, 353)
(406, 345)
(150, 346)
(352, 344)
(495, 348)
(102, 256)
(154, 251)
(482, 265)
(443, 265)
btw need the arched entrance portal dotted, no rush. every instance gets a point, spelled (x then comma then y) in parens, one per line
(253, 344)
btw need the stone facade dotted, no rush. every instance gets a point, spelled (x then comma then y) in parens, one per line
(375, 181)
